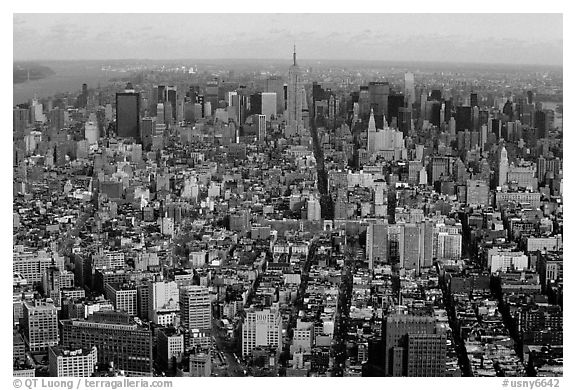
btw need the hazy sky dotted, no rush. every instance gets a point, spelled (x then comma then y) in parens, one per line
(477, 38)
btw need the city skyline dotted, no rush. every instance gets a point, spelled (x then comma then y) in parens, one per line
(251, 218)
(526, 39)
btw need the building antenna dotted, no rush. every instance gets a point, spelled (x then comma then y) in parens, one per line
(294, 54)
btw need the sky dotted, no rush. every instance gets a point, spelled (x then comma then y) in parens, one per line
(469, 38)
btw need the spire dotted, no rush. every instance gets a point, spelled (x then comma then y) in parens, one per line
(371, 122)
(294, 54)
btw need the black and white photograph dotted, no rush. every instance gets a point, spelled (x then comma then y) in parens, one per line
(244, 194)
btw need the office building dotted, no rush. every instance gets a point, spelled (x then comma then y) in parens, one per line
(40, 325)
(423, 354)
(170, 347)
(261, 128)
(195, 308)
(409, 91)
(127, 115)
(269, 105)
(123, 296)
(118, 339)
(377, 244)
(503, 167)
(296, 95)
(72, 363)
(261, 328)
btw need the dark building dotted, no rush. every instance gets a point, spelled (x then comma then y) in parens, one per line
(413, 346)
(127, 115)
(436, 94)
(161, 96)
(117, 337)
(171, 98)
(463, 118)
(473, 100)
(394, 104)
(404, 120)
(540, 124)
(255, 104)
(378, 94)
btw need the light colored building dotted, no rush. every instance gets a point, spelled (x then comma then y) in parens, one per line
(72, 363)
(261, 328)
(269, 105)
(91, 133)
(170, 345)
(195, 308)
(295, 96)
(40, 325)
(123, 296)
(503, 260)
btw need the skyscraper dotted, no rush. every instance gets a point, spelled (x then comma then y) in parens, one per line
(261, 127)
(195, 308)
(409, 92)
(127, 114)
(171, 98)
(295, 123)
(269, 105)
(503, 167)
(377, 244)
(410, 344)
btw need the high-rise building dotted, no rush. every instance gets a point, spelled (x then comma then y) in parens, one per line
(171, 97)
(378, 92)
(261, 328)
(261, 128)
(503, 167)
(72, 363)
(127, 115)
(426, 355)
(170, 346)
(161, 96)
(377, 244)
(295, 123)
(91, 133)
(409, 91)
(411, 343)
(57, 118)
(20, 119)
(117, 337)
(269, 105)
(40, 325)
(123, 297)
(195, 308)
(275, 84)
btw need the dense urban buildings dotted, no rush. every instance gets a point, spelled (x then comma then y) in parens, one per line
(173, 222)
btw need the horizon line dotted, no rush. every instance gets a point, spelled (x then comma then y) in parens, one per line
(14, 61)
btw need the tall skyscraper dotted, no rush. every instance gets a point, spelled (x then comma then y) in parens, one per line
(261, 127)
(171, 98)
(127, 114)
(195, 308)
(377, 244)
(295, 123)
(275, 84)
(269, 105)
(409, 92)
(503, 167)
